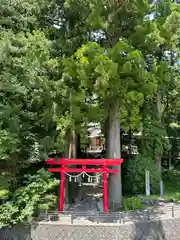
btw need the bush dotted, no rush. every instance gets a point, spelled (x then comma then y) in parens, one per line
(132, 203)
(171, 179)
(38, 189)
(135, 175)
(177, 196)
(8, 215)
(4, 194)
(48, 202)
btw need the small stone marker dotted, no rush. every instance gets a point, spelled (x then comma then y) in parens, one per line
(147, 180)
(161, 189)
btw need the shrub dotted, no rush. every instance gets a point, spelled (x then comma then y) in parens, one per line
(132, 203)
(177, 196)
(135, 175)
(171, 179)
(4, 194)
(26, 200)
(8, 215)
(48, 202)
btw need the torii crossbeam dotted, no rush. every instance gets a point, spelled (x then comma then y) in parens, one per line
(64, 166)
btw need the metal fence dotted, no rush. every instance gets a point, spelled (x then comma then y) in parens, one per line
(90, 217)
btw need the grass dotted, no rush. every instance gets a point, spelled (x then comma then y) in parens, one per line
(171, 190)
(135, 205)
(167, 196)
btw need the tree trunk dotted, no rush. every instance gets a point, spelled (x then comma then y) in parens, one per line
(71, 144)
(70, 152)
(159, 105)
(130, 141)
(78, 145)
(170, 160)
(106, 130)
(158, 156)
(115, 188)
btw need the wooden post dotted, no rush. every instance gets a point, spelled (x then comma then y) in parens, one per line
(105, 191)
(61, 191)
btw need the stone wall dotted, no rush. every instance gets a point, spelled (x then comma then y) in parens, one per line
(155, 230)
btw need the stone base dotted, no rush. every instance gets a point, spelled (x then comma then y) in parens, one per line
(155, 230)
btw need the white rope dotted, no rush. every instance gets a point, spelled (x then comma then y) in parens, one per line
(82, 173)
(76, 177)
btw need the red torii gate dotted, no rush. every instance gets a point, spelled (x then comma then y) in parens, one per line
(62, 168)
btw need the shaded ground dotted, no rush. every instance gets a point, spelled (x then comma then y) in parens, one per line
(87, 209)
(87, 200)
(91, 217)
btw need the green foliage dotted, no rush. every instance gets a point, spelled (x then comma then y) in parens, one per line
(8, 144)
(48, 202)
(135, 175)
(8, 215)
(4, 180)
(112, 76)
(171, 183)
(27, 94)
(132, 203)
(154, 137)
(4, 194)
(177, 196)
(171, 180)
(36, 194)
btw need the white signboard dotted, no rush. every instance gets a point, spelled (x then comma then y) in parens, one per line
(147, 181)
